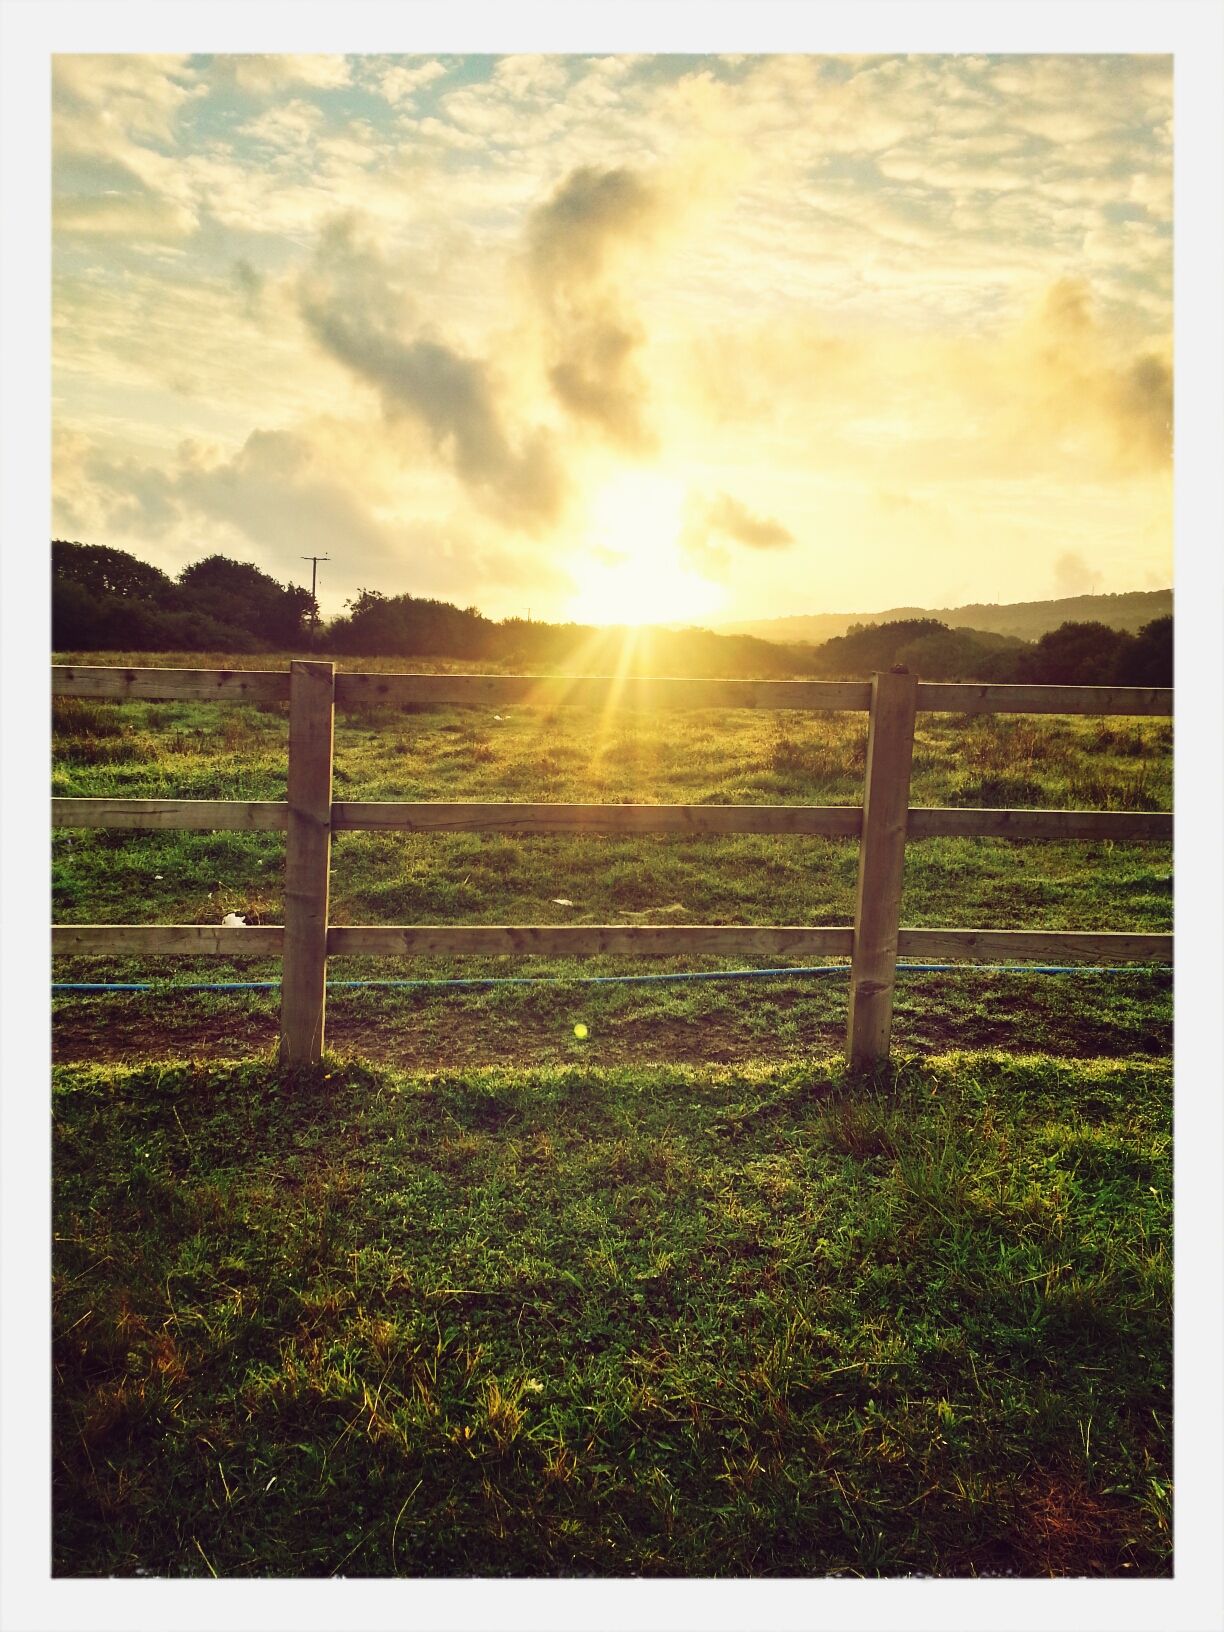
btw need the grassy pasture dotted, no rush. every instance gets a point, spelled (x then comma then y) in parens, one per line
(188, 750)
(589, 1321)
(480, 1298)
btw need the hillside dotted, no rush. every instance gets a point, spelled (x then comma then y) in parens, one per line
(1025, 620)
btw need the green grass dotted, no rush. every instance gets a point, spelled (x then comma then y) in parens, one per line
(578, 1321)
(479, 1298)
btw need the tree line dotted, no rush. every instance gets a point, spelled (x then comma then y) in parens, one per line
(106, 600)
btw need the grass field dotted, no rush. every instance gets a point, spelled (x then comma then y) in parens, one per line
(663, 1320)
(481, 1298)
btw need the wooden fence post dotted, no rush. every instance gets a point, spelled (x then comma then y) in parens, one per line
(877, 910)
(312, 688)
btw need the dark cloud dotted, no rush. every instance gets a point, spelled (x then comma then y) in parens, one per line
(1145, 405)
(574, 237)
(577, 246)
(597, 381)
(249, 284)
(725, 518)
(728, 516)
(350, 305)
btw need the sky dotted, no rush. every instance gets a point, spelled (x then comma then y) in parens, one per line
(622, 337)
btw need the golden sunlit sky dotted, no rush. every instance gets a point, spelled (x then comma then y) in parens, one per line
(621, 337)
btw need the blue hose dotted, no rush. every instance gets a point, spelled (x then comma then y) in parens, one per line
(604, 980)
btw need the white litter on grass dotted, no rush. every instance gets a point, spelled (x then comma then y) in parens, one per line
(560, 901)
(497, 716)
(233, 920)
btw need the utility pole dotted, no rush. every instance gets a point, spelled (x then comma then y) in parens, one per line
(314, 575)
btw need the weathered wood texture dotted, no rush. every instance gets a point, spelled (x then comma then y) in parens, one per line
(216, 685)
(1048, 945)
(587, 940)
(581, 940)
(272, 686)
(1123, 826)
(307, 862)
(877, 912)
(601, 692)
(166, 940)
(956, 698)
(214, 814)
(831, 820)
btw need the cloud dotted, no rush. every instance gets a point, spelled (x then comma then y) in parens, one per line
(262, 75)
(723, 517)
(250, 286)
(1061, 389)
(111, 118)
(120, 97)
(285, 125)
(876, 306)
(350, 306)
(401, 83)
(326, 488)
(577, 243)
(729, 517)
(1083, 381)
(137, 213)
(280, 493)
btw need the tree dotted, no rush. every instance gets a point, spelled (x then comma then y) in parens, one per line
(402, 625)
(1076, 654)
(1148, 661)
(946, 654)
(102, 571)
(234, 592)
(874, 646)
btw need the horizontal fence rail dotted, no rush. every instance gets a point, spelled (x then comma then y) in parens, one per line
(209, 815)
(633, 691)
(1065, 945)
(425, 816)
(600, 692)
(592, 940)
(883, 824)
(167, 940)
(589, 940)
(173, 685)
(962, 821)
(942, 697)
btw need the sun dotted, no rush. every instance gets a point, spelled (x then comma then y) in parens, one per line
(632, 568)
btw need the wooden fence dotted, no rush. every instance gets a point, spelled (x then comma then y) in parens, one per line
(882, 824)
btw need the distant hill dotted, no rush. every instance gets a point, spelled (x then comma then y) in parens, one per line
(1023, 620)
